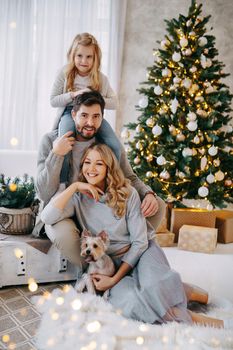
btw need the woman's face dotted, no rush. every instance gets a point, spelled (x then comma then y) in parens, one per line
(84, 59)
(94, 169)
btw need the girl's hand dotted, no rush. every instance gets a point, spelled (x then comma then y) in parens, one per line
(79, 92)
(102, 282)
(89, 190)
(64, 144)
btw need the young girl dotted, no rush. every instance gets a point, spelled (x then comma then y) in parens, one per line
(81, 74)
(144, 287)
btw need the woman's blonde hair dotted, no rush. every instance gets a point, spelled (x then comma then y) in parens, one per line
(84, 39)
(117, 186)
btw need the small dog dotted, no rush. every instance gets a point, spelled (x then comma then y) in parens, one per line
(93, 250)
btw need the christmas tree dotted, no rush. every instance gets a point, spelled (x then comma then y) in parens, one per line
(182, 140)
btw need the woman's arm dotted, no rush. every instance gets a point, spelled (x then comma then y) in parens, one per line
(61, 205)
(103, 282)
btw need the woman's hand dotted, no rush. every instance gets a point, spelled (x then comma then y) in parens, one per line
(89, 190)
(149, 205)
(102, 282)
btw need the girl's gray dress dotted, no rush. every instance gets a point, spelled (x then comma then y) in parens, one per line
(151, 292)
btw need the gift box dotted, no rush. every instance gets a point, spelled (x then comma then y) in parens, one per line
(197, 238)
(165, 239)
(224, 224)
(187, 216)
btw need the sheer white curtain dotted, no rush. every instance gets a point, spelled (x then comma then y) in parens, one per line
(35, 36)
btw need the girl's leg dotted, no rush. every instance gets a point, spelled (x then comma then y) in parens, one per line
(206, 321)
(66, 124)
(108, 136)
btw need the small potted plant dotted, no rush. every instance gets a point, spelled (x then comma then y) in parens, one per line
(18, 204)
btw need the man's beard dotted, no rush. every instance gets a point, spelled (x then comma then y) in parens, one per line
(87, 137)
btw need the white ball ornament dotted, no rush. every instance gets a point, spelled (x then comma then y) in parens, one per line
(164, 44)
(202, 41)
(203, 191)
(196, 140)
(139, 128)
(176, 57)
(158, 90)
(210, 178)
(191, 116)
(219, 175)
(157, 130)
(150, 122)
(176, 80)
(149, 174)
(183, 42)
(137, 160)
(125, 134)
(193, 69)
(188, 52)
(192, 126)
(139, 145)
(213, 151)
(187, 152)
(161, 160)
(166, 72)
(187, 83)
(164, 175)
(143, 102)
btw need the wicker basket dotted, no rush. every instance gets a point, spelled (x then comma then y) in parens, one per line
(17, 221)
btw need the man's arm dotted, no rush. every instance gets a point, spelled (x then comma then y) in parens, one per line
(48, 168)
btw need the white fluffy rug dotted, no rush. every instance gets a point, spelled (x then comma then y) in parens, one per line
(73, 321)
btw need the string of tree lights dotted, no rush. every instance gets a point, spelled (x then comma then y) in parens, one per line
(181, 144)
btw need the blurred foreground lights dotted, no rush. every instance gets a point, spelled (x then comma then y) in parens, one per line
(14, 141)
(93, 327)
(11, 346)
(66, 288)
(76, 304)
(51, 342)
(32, 285)
(55, 316)
(18, 253)
(143, 328)
(60, 301)
(5, 338)
(139, 340)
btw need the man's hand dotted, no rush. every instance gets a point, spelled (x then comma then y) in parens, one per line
(64, 144)
(149, 205)
(102, 282)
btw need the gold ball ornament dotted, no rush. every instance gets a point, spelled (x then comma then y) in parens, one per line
(125, 134)
(149, 174)
(216, 162)
(149, 158)
(139, 128)
(219, 175)
(228, 182)
(139, 145)
(180, 137)
(13, 187)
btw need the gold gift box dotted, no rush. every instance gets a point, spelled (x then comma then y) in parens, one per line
(224, 224)
(165, 239)
(187, 216)
(197, 238)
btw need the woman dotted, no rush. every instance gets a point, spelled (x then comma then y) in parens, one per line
(144, 286)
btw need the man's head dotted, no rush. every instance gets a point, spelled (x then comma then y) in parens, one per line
(87, 113)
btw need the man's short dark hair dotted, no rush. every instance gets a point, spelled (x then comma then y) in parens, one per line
(89, 98)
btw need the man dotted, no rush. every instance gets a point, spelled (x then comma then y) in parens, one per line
(88, 115)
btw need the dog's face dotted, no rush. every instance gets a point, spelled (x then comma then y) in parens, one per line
(93, 247)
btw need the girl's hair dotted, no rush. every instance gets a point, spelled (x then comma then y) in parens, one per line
(84, 39)
(118, 187)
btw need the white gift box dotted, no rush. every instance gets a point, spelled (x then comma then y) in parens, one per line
(197, 238)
